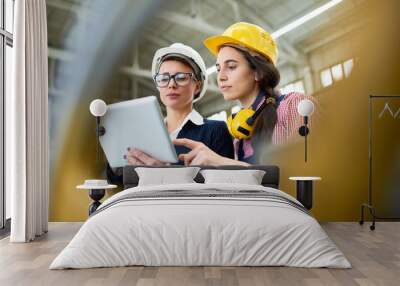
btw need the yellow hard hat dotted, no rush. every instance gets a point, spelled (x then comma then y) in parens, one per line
(247, 35)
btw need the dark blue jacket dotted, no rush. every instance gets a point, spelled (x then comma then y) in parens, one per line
(212, 133)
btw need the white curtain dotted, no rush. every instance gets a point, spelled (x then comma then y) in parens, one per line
(27, 147)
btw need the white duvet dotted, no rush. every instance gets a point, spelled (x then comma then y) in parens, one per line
(183, 231)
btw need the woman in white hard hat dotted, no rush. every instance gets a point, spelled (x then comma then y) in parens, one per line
(246, 66)
(179, 73)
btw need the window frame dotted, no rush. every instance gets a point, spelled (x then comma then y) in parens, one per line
(6, 39)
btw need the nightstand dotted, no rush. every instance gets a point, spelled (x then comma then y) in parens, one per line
(304, 190)
(97, 190)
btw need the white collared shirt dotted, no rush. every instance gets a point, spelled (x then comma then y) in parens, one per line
(193, 116)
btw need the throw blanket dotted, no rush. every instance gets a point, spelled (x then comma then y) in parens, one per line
(201, 224)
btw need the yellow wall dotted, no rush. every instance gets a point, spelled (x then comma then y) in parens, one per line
(338, 143)
(338, 146)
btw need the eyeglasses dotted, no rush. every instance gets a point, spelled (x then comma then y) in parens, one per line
(180, 78)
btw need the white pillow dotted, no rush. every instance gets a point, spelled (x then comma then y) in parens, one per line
(165, 176)
(248, 177)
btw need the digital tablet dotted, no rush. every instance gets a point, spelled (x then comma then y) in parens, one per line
(136, 123)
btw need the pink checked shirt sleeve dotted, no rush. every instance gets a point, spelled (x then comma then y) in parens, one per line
(289, 120)
(287, 125)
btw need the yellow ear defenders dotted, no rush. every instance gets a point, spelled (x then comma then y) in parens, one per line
(241, 125)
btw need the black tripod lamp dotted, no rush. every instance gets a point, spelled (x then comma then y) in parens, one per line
(305, 108)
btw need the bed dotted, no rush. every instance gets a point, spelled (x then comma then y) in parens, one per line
(201, 224)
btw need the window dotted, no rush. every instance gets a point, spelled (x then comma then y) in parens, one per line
(326, 78)
(296, 86)
(299, 87)
(6, 44)
(235, 109)
(8, 68)
(9, 15)
(335, 73)
(348, 66)
(221, 116)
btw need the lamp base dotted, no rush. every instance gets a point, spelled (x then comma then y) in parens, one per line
(303, 130)
(96, 195)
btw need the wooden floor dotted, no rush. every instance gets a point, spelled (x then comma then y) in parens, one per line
(375, 256)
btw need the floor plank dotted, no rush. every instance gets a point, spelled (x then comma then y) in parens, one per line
(375, 257)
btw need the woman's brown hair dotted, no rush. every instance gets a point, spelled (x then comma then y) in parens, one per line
(268, 78)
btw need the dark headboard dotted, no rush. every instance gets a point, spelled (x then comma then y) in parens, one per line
(270, 179)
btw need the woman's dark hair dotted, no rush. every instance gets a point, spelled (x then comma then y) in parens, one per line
(268, 78)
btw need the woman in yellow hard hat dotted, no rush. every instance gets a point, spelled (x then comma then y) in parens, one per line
(246, 66)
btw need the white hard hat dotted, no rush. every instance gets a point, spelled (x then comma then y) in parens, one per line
(187, 53)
